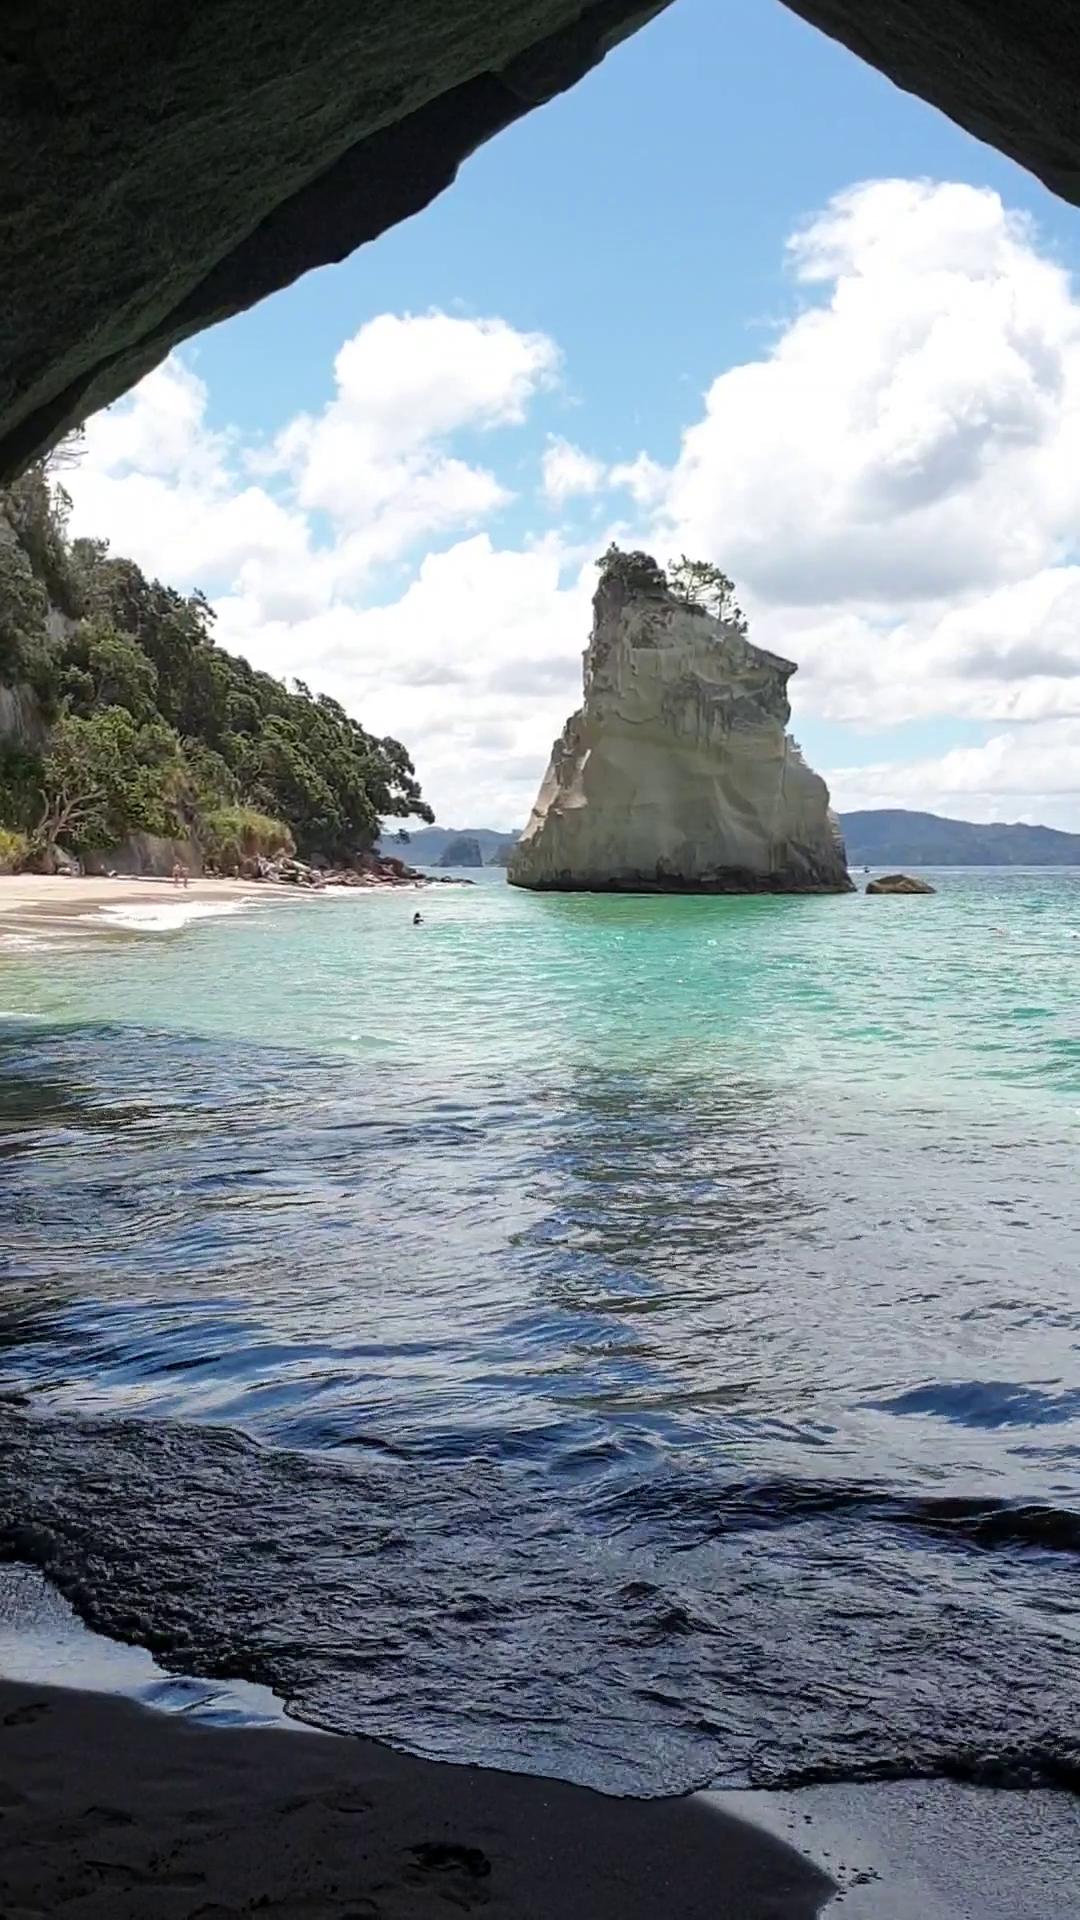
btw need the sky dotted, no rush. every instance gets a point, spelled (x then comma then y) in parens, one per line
(734, 295)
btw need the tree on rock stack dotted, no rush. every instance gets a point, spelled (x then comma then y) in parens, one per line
(697, 583)
(677, 774)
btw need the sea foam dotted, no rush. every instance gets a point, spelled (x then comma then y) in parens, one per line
(166, 916)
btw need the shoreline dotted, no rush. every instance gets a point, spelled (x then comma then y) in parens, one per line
(61, 905)
(133, 1790)
(28, 892)
(127, 1812)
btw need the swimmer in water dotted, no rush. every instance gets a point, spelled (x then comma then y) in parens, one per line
(418, 919)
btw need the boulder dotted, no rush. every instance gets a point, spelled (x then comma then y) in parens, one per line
(677, 774)
(899, 883)
(146, 854)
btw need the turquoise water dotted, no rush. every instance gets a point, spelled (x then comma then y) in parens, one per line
(632, 1338)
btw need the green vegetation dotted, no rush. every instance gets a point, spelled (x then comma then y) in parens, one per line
(697, 583)
(13, 850)
(149, 726)
(635, 570)
(233, 834)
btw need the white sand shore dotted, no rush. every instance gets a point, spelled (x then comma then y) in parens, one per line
(39, 909)
(23, 893)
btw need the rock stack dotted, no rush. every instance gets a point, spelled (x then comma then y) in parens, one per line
(677, 774)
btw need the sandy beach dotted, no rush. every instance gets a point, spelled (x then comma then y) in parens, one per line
(111, 1812)
(30, 893)
(54, 905)
(127, 1791)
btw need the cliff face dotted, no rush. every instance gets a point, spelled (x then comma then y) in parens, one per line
(169, 167)
(176, 165)
(462, 851)
(677, 775)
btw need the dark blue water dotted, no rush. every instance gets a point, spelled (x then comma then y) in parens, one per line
(638, 1341)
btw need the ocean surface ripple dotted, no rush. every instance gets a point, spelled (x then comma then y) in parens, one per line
(632, 1340)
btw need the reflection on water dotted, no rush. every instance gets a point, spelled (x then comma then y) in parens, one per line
(629, 1420)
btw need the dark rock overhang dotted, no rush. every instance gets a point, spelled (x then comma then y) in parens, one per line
(165, 166)
(1006, 70)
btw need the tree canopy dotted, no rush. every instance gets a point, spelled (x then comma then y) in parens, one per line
(697, 583)
(150, 725)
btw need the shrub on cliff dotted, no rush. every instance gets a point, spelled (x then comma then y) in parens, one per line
(231, 835)
(698, 583)
(13, 849)
(635, 570)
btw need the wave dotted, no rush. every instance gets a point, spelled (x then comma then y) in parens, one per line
(24, 942)
(475, 1613)
(690, 1516)
(166, 916)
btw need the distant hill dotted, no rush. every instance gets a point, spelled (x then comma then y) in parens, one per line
(890, 836)
(428, 844)
(878, 837)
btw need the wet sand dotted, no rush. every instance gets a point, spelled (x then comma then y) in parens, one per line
(23, 893)
(199, 1800)
(111, 1812)
(53, 905)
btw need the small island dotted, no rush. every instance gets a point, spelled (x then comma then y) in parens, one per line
(462, 851)
(677, 774)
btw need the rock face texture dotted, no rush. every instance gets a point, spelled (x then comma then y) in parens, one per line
(1007, 70)
(164, 167)
(677, 775)
(899, 883)
(146, 854)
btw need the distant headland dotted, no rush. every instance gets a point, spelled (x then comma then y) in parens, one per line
(875, 837)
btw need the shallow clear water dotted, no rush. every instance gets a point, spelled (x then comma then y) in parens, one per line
(631, 1338)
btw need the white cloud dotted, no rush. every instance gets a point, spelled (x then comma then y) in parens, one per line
(568, 471)
(160, 483)
(375, 458)
(915, 436)
(1032, 773)
(476, 667)
(644, 479)
(894, 485)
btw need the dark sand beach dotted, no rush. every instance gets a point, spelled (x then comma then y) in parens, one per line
(111, 1812)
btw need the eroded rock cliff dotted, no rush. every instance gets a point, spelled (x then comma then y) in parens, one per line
(677, 774)
(162, 168)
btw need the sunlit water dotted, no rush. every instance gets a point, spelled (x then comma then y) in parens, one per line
(637, 1339)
